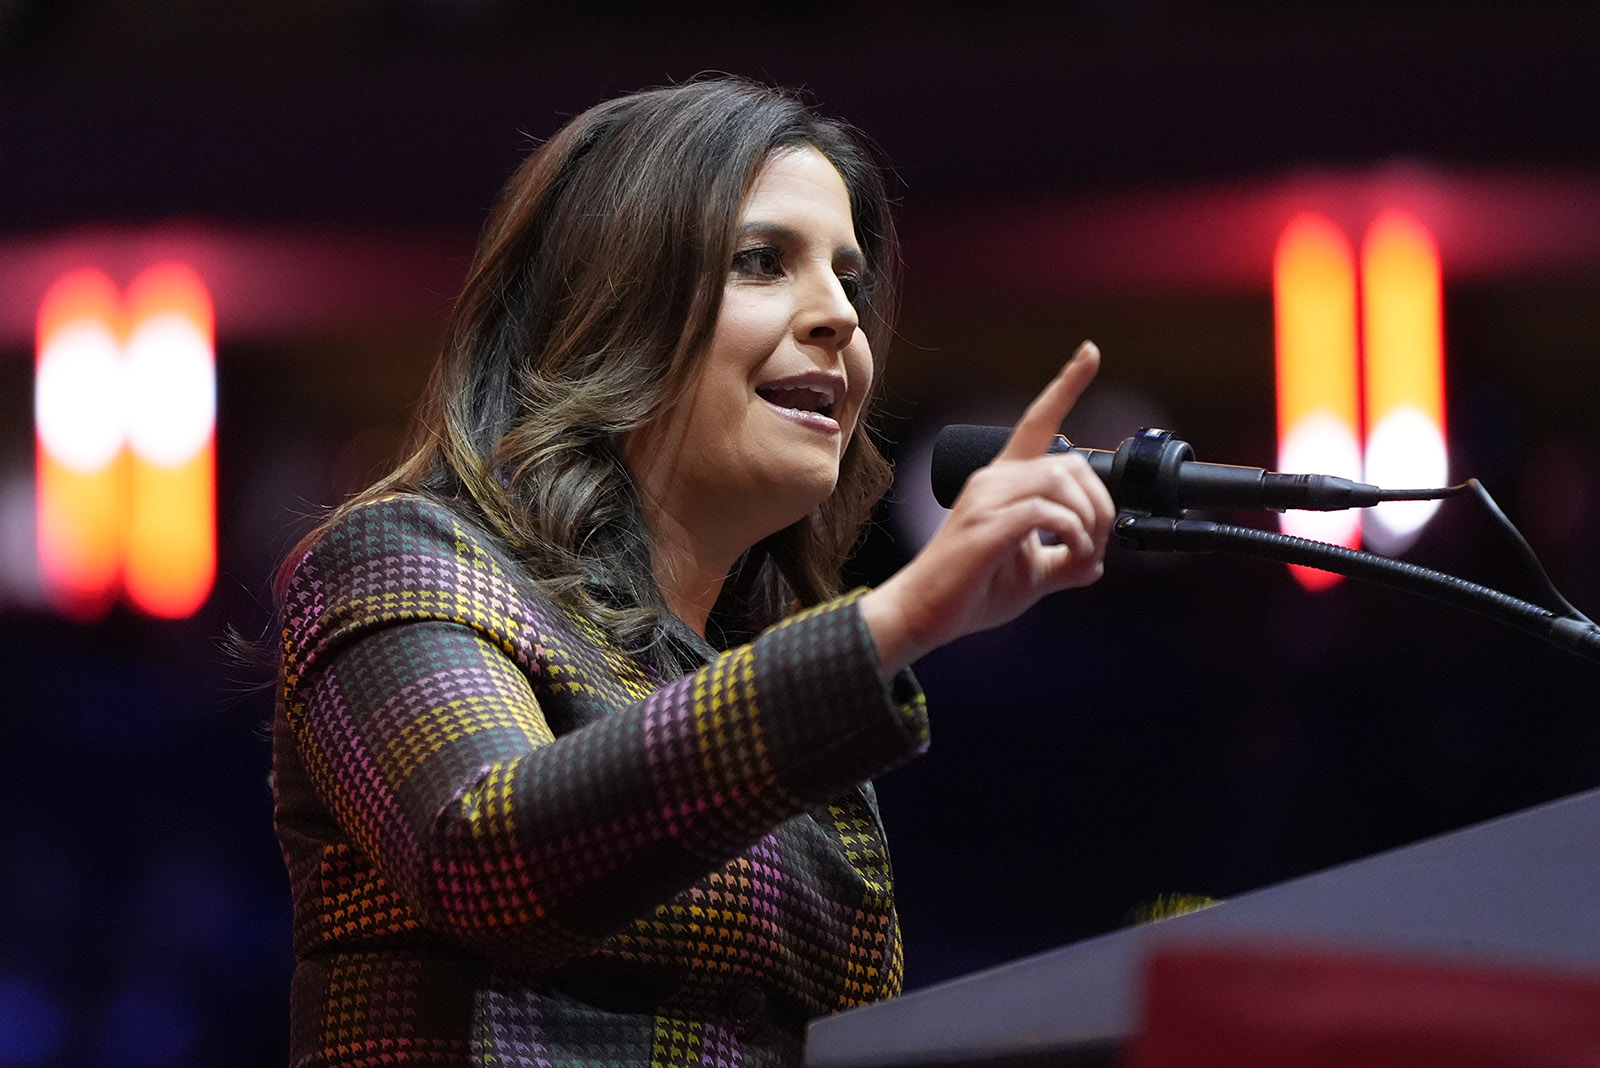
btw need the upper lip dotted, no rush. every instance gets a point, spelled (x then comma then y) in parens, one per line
(827, 383)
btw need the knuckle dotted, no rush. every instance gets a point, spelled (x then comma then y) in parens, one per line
(1063, 480)
(1078, 464)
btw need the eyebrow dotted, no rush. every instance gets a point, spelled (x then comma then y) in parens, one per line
(849, 253)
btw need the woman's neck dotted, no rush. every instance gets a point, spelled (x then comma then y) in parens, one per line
(689, 567)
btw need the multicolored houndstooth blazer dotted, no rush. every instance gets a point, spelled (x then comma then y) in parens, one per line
(509, 844)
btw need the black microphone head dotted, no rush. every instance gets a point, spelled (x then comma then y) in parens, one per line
(960, 450)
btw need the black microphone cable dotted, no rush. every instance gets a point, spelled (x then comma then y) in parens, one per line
(1153, 480)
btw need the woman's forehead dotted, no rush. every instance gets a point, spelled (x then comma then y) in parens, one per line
(799, 189)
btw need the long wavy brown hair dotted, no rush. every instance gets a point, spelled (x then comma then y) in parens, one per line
(590, 302)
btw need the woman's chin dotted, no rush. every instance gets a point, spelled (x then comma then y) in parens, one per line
(795, 499)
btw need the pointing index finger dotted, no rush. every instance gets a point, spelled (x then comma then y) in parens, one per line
(1041, 422)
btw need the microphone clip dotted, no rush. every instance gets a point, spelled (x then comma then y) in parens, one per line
(1146, 468)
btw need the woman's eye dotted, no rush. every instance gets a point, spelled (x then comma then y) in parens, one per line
(758, 261)
(857, 288)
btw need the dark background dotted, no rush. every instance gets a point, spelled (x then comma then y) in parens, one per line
(1081, 169)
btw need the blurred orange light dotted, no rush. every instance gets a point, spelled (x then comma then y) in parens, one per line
(1314, 305)
(79, 547)
(125, 413)
(170, 536)
(78, 444)
(1403, 344)
(170, 366)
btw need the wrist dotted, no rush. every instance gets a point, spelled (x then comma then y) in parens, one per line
(892, 634)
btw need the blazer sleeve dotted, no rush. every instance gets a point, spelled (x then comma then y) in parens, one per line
(411, 664)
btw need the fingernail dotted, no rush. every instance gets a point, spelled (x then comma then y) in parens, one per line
(1088, 348)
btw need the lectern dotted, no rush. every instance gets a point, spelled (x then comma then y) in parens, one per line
(1522, 889)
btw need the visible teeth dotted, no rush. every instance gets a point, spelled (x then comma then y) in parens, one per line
(802, 398)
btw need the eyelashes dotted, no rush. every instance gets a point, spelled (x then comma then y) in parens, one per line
(767, 263)
(758, 261)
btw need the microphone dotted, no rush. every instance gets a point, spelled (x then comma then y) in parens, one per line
(1154, 472)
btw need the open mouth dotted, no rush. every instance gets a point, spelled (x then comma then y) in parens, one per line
(801, 398)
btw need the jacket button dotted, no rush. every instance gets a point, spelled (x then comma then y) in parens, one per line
(746, 1004)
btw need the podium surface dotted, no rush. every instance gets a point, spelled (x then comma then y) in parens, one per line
(1522, 889)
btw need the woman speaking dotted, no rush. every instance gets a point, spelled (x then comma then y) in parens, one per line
(576, 725)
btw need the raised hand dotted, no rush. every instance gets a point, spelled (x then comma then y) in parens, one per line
(988, 562)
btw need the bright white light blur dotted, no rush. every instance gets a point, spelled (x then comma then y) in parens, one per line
(1321, 445)
(78, 396)
(171, 389)
(1404, 451)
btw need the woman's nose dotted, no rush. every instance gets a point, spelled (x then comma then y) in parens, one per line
(827, 314)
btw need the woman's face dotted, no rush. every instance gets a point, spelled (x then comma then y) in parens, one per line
(759, 438)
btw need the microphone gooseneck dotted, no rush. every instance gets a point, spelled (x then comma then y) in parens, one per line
(1152, 479)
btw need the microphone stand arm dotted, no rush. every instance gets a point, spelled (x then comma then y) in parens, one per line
(1165, 534)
